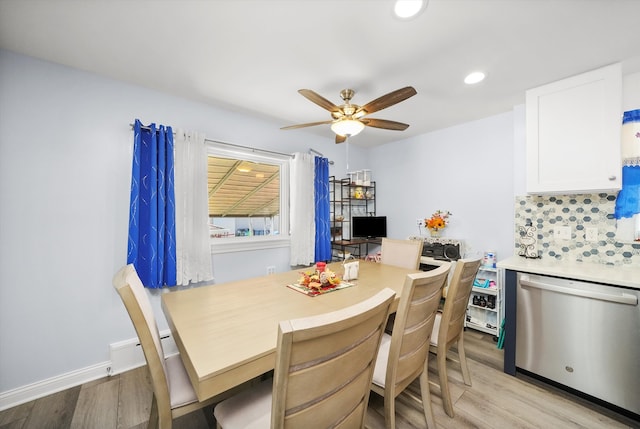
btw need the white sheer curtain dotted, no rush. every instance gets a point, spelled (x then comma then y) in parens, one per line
(193, 251)
(302, 216)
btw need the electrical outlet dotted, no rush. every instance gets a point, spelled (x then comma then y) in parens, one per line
(271, 269)
(419, 221)
(591, 234)
(562, 233)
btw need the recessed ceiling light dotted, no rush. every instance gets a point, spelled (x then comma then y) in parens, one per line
(474, 77)
(405, 9)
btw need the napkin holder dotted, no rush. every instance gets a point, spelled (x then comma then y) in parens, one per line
(350, 269)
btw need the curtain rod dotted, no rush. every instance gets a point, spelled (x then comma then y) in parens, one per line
(253, 149)
(312, 150)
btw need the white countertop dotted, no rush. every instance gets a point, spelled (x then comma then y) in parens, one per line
(626, 275)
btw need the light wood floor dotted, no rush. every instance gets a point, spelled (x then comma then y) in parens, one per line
(495, 400)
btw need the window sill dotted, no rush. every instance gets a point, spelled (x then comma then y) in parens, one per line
(245, 244)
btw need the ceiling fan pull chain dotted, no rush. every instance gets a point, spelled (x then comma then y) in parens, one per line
(347, 149)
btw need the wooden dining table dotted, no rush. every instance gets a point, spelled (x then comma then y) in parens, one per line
(227, 333)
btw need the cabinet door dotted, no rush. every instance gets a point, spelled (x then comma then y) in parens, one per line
(573, 133)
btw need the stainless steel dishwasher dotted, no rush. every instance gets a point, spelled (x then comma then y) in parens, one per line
(582, 335)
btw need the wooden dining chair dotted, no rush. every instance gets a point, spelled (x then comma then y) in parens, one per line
(403, 355)
(449, 326)
(401, 253)
(173, 394)
(323, 371)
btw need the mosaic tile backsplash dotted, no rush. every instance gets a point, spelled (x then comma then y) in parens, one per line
(546, 212)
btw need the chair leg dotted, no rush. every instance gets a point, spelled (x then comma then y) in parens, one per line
(466, 375)
(153, 417)
(425, 393)
(444, 381)
(389, 409)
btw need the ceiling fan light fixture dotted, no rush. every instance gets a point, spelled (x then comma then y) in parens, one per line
(347, 127)
(346, 119)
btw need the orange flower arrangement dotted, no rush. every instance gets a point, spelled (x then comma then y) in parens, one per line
(438, 220)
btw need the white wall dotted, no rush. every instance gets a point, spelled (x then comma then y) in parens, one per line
(631, 92)
(65, 161)
(466, 169)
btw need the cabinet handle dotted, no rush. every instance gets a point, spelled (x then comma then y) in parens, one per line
(623, 298)
(612, 178)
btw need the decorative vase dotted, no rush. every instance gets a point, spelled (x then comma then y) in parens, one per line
(434, 232)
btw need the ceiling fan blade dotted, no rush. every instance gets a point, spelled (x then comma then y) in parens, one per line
(384, 124)
(319, 100)
(310, 124)
(387, 100)
(340, 139)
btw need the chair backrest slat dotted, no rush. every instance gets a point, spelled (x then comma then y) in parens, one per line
(413, 326)
(324, 365)
(455, 307)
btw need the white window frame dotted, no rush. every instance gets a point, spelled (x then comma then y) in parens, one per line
(256, 242)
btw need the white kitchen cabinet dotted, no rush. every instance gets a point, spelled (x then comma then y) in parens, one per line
(573, 133)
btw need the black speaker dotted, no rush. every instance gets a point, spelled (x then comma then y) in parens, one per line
(442, 251)
(433, 250)
(451, 252)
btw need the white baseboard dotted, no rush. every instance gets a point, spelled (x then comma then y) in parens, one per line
(125, 355)
(20, 395)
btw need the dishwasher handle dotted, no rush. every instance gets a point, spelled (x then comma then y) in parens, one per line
(625, 298)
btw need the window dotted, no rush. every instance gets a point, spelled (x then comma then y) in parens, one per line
(248, 198)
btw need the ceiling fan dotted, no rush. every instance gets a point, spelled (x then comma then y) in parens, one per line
(349, 119)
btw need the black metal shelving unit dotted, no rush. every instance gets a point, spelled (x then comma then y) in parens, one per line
(348, 199)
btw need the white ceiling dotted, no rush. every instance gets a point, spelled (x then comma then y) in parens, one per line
(253, 55)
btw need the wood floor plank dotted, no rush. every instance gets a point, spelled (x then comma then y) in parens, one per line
(375, 412)
(481, 348)
(498, 390)
(494, 413)
(15, 424)
(459, 421)
(195, 420)
(520, 396)
(134, 398)
(15, 414)
(97, 406)
(54, 411)
(409, 412)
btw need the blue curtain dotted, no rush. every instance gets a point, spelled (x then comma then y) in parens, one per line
(152, 232)
(323, 227)
(628, 201)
